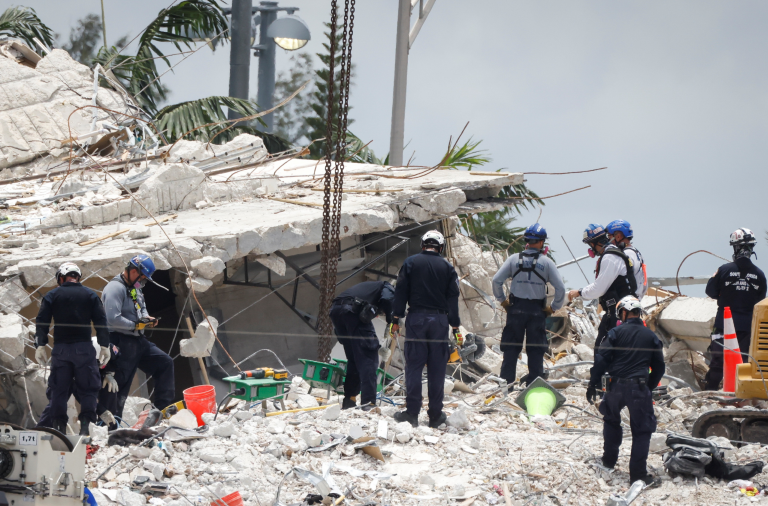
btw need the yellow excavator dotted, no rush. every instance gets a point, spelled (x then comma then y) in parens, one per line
(739, 424)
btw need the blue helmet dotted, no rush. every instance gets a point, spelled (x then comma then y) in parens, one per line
(594, 233)
(144, 264)
(620, 226)
(535, 233)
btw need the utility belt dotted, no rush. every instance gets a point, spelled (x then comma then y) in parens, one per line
(527, 303)
(609, 382)
(424, 310)
(365, 311)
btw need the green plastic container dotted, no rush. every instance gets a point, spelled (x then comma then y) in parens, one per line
(257, 389)
(321, 374)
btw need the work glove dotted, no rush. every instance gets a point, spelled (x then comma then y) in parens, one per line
(548, 311)
(591, 393)
(459, 336)
(108, 418)
(142, 325)
(110, 383)
(103, 356)
(40, 356)
(505, 304)
(394, 330)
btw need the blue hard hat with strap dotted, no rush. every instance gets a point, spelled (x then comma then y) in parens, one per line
(620, 226)
(594, 233)
(144, 264)
(535, 233)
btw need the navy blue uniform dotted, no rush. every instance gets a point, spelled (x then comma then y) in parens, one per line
(738, 285)
(430, 287)
(626, 354)
(359, 338)
(74, 367)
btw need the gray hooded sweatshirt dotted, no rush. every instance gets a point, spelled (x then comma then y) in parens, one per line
(122, 313)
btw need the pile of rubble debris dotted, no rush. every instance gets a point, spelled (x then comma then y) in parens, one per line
(484, 449)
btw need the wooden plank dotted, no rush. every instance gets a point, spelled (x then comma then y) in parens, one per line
(98, 239)
(161, 220)
(297, 202)
(360, 191)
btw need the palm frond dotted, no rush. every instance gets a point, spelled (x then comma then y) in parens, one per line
(177, 119)
(22, 22)
(177, 25)
(359, 152)
(466, 156)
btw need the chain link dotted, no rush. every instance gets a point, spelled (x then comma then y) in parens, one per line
(333, 181)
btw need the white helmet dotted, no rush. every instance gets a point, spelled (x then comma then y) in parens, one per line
(743, 236)
(743, 242)
(68, 268)
(629, 303)
(433, 238)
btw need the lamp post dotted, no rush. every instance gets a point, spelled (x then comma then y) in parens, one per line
(289, 32)
(406, 36)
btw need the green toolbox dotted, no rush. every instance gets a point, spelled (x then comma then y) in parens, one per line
(322, 375)
(258, 389)
(382, 378)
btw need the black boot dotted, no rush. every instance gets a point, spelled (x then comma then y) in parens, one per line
(648, 479)
(367, 407)
(437, 422)
(348, 403)
(60, 426)
(85, 428)
(403, 416)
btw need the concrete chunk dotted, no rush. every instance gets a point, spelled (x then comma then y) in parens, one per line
(202, 343)
(12, 334)
(185, 419)
(689, 317)
(208, 267)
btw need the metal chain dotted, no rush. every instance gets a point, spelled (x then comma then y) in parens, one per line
(333, 181)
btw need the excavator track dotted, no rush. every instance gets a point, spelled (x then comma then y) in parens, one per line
(748, 425)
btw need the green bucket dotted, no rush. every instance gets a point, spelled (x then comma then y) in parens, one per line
(540, 401)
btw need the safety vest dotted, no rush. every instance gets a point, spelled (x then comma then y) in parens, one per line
(531, 268)
(642, 266)
(622, 285)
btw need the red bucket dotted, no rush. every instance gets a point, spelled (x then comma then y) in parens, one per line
(200, 400)
(233, 499)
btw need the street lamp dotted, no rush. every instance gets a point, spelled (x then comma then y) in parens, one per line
(289, 32)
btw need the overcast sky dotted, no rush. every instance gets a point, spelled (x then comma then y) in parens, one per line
(671, 96)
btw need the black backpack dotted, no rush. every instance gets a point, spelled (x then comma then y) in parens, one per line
(696, 457)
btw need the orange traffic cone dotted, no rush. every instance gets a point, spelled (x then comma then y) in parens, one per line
(731, 352)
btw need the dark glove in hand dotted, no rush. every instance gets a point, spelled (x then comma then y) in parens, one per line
(591, 393)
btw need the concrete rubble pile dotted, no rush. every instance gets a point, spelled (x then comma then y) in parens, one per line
(483, 449)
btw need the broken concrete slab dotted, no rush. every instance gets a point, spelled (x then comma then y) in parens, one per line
(202, 343)
(12, 334)
(208, 267)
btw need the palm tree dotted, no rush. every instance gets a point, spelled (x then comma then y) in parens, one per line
(493, 229)
(181, 25)
(22, 22)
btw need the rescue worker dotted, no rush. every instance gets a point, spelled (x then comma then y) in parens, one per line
(74, 361)
(430, 287)
(738, 285)
(526, 307)
(614, 278)
(620, 233)
(352, 314)
(127, 317)
(626, 354)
